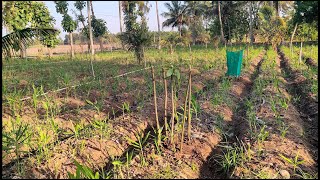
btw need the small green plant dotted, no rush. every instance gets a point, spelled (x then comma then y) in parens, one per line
(283, 129)
(156, 139)
(283, 103)
(305, 175)
(138, 145)
(83, 172)
(92, 104)
(126, 107)
(117, 168)
(15, 139)
(295, 162)
(229, 159)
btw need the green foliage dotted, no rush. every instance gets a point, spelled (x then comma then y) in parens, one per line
(307, 31)
(99, 27)
(68, 24)
(15, 139)
(50, 40)
(83, 172)
(136, 35)
(80, 5)
(234, 19)
(61, 7)
(26, 37)
(176, 17)
(19, 15)
(306, 12)
(271, 27)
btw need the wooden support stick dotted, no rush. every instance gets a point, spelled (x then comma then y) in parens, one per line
(189, 105)
(184, 115)
(155, 104)
(165, 102)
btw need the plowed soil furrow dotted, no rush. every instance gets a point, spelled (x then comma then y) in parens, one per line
(241, 90)
(307, 106)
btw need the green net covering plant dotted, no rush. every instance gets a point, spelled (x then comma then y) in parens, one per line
(234, 62)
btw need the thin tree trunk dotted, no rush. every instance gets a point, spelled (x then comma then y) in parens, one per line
(50, 52)
(91, 8)
(294, 31)
(276, 6)
(22, 50)
(159, 37)
(91, 40)
(101, 45)
(229, 33)
(250, 23)
(71, 45)
(220, 20)
(300, 55)
(120, 16)
(90, 29)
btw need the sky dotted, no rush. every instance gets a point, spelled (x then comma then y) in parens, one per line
(109, 11)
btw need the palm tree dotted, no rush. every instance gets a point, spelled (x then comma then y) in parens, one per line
(195, 11)
(25, 36)
(176, 16)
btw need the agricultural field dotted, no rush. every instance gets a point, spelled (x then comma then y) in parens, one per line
(109, 90)
(246, 127)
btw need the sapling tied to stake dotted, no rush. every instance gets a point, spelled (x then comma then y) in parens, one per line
(175, 75)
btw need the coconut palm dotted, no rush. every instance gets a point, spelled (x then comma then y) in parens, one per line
(176, 15)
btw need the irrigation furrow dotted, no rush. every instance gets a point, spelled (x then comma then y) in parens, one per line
(237, 125)
(306, 105)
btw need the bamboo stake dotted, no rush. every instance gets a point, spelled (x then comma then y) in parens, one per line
(155, 104)
(172, 115)
(189, 105)
(184, 115)
(165, 102)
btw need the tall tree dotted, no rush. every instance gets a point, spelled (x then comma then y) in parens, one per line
(195, 10)
(272, 27)
(91, 6)
(220, 21)
(159, 36)
(19, 15)
(99, 27)
(136, 35)
(90, 29)
(176, 15)
(120, 16)
(80, 5)
(68, 24)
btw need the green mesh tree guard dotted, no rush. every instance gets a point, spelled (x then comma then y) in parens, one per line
(234, 63)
